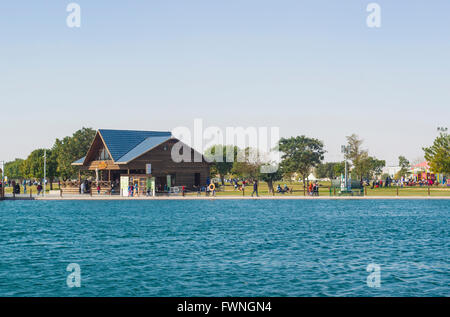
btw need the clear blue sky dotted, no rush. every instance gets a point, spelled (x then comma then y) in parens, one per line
(310, 67)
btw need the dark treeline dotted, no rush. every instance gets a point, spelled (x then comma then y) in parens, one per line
(59, 159)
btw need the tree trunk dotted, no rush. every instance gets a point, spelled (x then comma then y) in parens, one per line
(304, 186)
(51, 183)
(222, 178)
(270, 185)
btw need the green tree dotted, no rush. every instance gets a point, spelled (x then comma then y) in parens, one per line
(33, 166)
(253, 165)
(247, 164)
(374, 167)
(339, 168)
(404, 164)
(325, 170)
(221, 158)
(438, 154)
(364, 166)
(270, 178)
(70, 149)
(300, 155)
(357, 155)
(13, 169)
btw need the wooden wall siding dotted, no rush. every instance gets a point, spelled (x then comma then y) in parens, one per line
(188, 179)
(162, 160)
(93, 150)
(162, 164)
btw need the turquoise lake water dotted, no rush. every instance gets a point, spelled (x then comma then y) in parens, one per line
(225, 247)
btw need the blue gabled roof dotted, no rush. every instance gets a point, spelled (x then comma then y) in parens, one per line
(143, 147)
(130, 144)
(79, 162)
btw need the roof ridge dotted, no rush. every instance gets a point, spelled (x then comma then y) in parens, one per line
(142, 151)
(144, 131)
(121, 142)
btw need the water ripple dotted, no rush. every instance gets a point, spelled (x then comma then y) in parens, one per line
(225, 248)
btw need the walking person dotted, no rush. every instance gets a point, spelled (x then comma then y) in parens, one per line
(316, 189)
(39, 189)
(255, 188)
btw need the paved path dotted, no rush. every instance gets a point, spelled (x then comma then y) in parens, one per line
(287, 197)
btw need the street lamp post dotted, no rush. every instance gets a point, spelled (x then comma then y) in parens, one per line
(344, 150)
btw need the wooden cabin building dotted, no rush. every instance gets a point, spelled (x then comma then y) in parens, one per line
(119, 159)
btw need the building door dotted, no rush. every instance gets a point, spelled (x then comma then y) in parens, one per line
(161, 182)
(124, 183)
(197, 179)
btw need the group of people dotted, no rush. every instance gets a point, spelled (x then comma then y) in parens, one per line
(313, 189)
(419, 182)
(283, 190)
(378, 183)
(16, 186)
(389, 182)
(238, 186)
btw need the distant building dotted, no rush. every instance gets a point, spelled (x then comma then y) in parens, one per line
(422, 171)
(391, 170)
(420, 168)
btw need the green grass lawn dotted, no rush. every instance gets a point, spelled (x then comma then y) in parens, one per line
(9, 190)
(324, 190)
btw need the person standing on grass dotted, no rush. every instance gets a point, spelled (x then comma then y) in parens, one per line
(98, 189)
(255, 188)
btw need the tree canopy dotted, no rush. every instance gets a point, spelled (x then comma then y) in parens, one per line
(270, 178)
(326, 170)
(59, 159)
(248, 165)
(70, 149)
(364, 166)
(438, 154)
(300, 155)
(404, 165)
(33, 166)
(339, 168)
(222, 159)
(13, 169)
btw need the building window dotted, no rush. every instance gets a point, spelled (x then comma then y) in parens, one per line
(103, 155)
